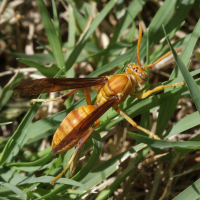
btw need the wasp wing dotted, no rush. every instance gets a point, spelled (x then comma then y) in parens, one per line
(47, 85)
(85, 124)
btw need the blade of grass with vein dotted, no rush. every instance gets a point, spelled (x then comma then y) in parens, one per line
(111, 49)
(164, 116)
(192, 86)
(32, 169)
(76, 52)
(165, 144)
(51, 34)
(45, 47)
(192, 192)
(164, 112)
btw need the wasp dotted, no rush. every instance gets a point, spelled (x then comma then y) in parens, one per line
(113, 90)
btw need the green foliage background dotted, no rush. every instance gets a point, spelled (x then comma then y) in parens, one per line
(26, 170)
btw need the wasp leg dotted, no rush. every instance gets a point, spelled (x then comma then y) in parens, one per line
(159, 88)
(87, 96)
(134, 124)
(64, 98)
(80, 144)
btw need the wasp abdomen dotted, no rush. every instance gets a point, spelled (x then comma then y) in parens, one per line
(68, 125)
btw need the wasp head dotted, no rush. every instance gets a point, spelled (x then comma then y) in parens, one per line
(138, 72)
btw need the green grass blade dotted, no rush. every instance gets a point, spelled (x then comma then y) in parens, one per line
(165, 144)
(51, 34)
(47, 179)
(71, 40)
(192, 86)
(37, 57)
(46, 71)
(164, 116)
(192, 192)
(56, 21)
(184, 124)
(40, 161)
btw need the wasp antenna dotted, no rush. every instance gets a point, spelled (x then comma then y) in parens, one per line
(138, 45)
(163, 57)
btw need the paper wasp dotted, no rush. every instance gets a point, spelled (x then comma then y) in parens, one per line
(114, 89)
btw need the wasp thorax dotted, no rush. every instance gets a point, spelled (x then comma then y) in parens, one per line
(138, 72)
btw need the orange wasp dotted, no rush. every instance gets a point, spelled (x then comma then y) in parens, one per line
(114, 89)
